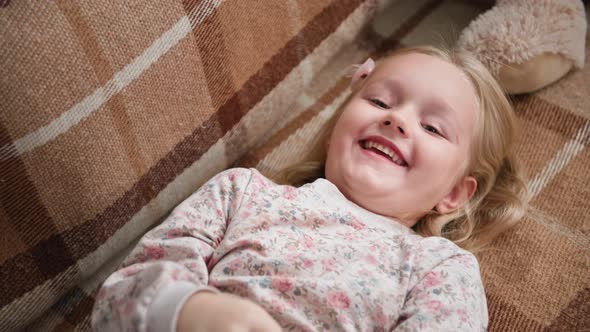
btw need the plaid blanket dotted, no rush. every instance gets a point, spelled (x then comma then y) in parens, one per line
(114, 112)
(111, 114)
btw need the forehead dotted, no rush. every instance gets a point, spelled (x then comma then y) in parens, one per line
(429, 78)
(423, 67)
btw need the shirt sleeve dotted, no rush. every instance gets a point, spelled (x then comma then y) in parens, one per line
(449, 297)
(170, 263)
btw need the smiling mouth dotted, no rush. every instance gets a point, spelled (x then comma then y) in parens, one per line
(383, 151)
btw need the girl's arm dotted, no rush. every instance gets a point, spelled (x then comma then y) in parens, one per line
(450, 297)
(170, 263)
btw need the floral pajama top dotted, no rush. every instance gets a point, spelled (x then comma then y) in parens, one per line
(313, 259)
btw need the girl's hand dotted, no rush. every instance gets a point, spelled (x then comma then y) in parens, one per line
(220, 312)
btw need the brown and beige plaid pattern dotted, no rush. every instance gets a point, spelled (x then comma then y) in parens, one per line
(112, 113)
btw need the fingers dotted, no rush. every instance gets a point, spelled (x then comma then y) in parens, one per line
(225, 313)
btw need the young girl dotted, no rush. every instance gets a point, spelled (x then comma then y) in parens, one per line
(369, 234)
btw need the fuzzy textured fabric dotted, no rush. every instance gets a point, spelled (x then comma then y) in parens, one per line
(515, 31)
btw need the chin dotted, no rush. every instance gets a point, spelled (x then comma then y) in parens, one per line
(365, 184)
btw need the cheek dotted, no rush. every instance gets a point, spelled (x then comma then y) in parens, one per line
(347, 126)
(357, 112)
(438, 157)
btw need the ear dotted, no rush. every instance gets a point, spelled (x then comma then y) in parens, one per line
(362, 72)
(459, 195)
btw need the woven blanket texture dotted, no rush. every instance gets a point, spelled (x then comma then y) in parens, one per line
(112, 113)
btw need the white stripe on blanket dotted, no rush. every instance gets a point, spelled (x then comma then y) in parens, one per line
(120, 80)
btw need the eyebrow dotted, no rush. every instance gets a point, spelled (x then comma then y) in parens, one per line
(441, 107)
(390, 84)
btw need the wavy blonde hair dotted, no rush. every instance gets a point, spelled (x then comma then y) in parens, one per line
(500, 200)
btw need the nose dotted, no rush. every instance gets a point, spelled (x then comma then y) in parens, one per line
(400, 119)
(398, 126)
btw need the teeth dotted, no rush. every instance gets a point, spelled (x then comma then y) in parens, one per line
(396, 159)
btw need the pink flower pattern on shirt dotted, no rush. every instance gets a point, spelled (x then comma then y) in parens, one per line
(314, 260)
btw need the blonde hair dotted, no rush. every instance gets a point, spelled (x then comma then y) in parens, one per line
(500, 200)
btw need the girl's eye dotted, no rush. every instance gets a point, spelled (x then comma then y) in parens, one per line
(379, 103)
(432, 129)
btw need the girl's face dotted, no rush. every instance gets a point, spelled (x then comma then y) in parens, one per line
(401, 145)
